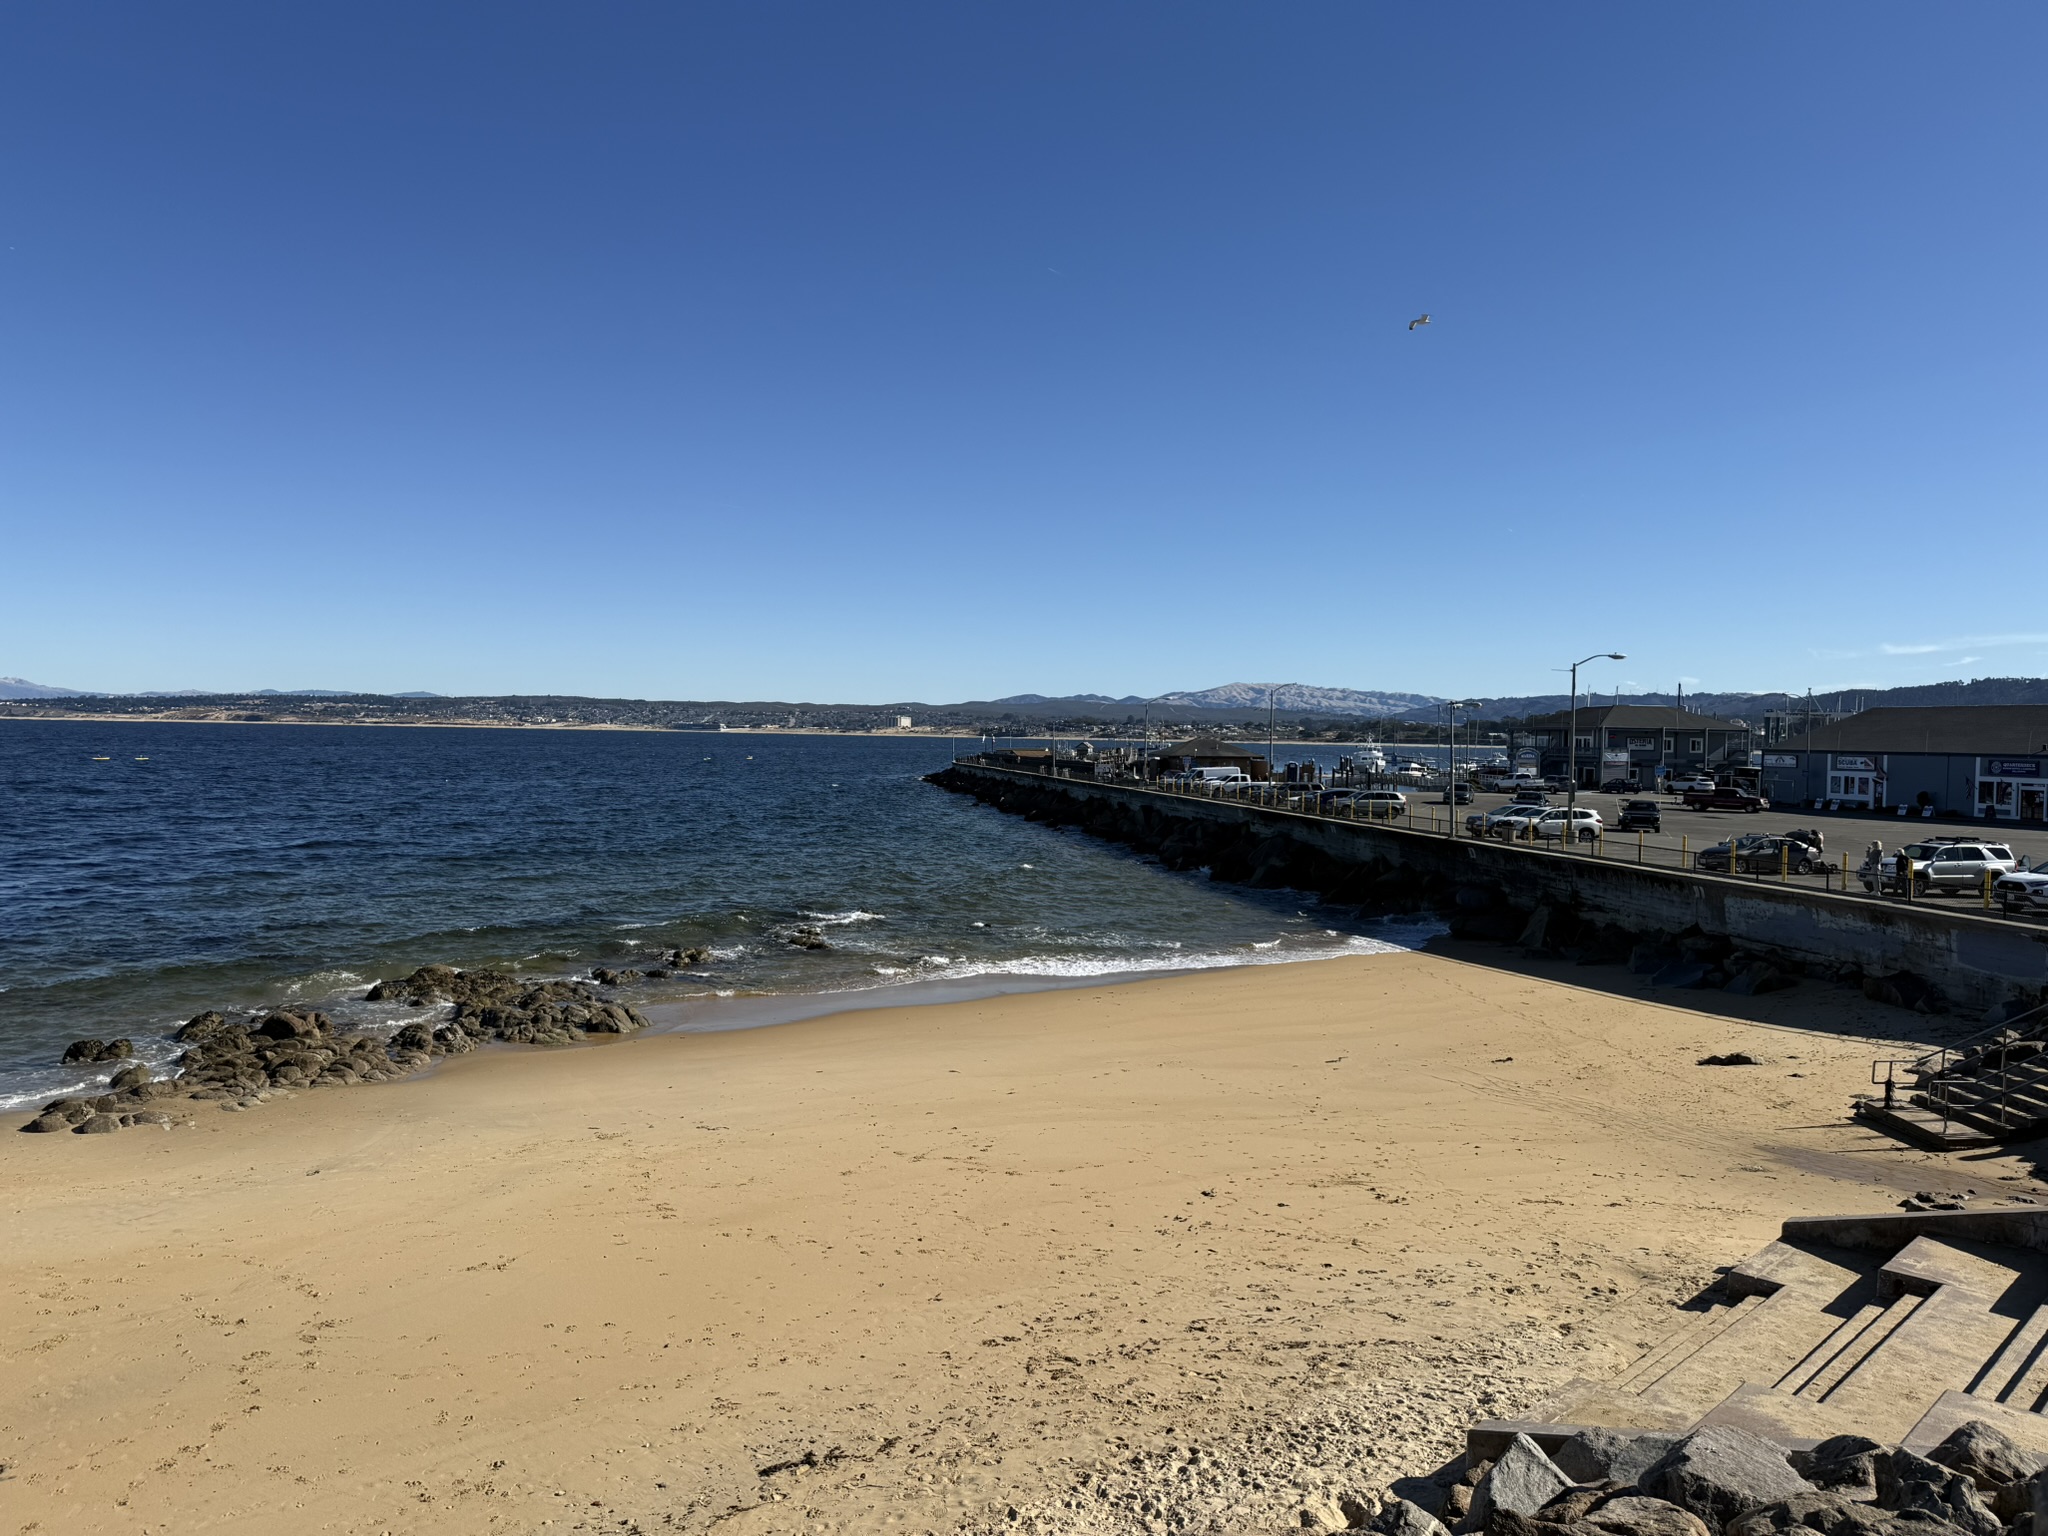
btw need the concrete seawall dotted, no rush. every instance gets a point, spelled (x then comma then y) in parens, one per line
(1491, 889)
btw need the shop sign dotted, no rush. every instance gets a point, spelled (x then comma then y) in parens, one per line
(2012, 768)
(1642, 743)
(1781, 760)
(1614, 755)
(1855, 764)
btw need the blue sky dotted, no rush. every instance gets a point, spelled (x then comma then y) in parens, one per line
(942, 351)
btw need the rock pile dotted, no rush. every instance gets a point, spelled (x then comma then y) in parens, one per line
(244, 1064)
(1725, 1480)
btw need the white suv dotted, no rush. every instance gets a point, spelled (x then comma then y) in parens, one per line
(1948, 864)
(2023, 890)
(1585, 824)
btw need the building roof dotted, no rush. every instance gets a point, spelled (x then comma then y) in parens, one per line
(1973, 729)
(1629, 717)
(1211, 746)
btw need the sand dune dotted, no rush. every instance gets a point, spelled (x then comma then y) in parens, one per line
(911, 1269)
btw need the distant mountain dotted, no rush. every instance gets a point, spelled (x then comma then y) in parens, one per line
(22, 688)
(422, 694)
(1304, 699)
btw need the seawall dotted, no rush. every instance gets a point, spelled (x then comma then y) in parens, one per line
(1540, 896)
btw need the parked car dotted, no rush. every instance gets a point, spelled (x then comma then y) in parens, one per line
(1723, 797)
(1459, 793)
(1583, 821)
(1691, 782)
(1763, 853)
(1379, 804)
(1946, 864)
(1618, 787)
(2022, 889)
(1488, 823)
(1529, 797)
(1641, 816)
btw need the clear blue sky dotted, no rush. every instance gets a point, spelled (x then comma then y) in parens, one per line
(872, 351)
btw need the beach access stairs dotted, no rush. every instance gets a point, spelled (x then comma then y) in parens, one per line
(1990, 1088)
(1899, 1326)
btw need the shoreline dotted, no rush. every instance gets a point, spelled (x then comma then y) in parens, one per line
(914, 1267)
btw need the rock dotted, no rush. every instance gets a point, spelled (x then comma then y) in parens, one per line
(1319, 1513)
(1906, 1482)
(1521, 1482)
(202, 1026)
(1635, 1515)
(130, 1077)
(1398, 1517)
(1359, 1509)
(98, 1050)
(1720, 1472)
(98, 1125)
(808, 938)
(1983, 1454)
(1730, 1059)
(1571, 1506)
(1687, 975)
(1457, 1503)
(48, 1122)
(288, 1026)
(1833, 1514)
(1648, 958)
(1596, 1455)
(1505, 1522)
(1534, 930)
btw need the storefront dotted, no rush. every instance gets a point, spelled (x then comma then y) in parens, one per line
(1855, 780)
(2012, 788)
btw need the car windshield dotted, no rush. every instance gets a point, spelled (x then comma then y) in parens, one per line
(1919, 850)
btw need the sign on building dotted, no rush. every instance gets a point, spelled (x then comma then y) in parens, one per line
(1781, 760)
(1642, 743)
(2013, 768)
(1855, 764)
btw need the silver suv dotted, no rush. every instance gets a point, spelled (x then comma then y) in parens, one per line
(1956, 864)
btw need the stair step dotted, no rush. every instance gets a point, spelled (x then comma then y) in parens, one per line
(1797, 1423)
(1852, 1344)
(2028, 1386)
(1686, 1342)
(1922, 1127)
(2005, 1378)
(1952, 1410)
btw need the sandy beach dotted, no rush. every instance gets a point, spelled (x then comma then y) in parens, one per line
(948, 1268)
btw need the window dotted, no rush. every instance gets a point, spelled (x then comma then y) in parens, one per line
(1698, 745)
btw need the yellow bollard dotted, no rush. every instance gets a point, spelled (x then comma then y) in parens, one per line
(1639, 845)
(1987, 890)
(1683, 853)
(1784, 861)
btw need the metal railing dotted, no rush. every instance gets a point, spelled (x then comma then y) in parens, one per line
(1606, 845)
(1929, 1076)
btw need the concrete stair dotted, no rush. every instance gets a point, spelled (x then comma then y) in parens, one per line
(1889, 1326)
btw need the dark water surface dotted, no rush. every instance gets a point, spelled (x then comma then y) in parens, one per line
(213, 866)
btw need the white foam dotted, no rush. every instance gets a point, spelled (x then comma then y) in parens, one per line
(841, 919)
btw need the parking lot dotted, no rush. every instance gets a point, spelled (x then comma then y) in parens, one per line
(1685, 832)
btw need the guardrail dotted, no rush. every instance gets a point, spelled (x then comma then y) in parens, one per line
(1927, 1072)
(1837, 876)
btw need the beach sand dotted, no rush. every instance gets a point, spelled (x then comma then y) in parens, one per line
(936, 1264)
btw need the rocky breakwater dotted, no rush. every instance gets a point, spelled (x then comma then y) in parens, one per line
(1721, 1480)
(239, 1065)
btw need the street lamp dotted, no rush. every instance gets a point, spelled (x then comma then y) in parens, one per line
(1571, 794)
(1451, 764)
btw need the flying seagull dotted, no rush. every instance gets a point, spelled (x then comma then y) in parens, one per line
(1418, 320)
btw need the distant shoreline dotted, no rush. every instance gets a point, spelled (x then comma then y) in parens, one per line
(498, 725)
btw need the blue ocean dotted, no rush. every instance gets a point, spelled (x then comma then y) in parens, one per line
(152, 870)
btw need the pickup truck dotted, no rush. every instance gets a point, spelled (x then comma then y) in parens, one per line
(1724, 797)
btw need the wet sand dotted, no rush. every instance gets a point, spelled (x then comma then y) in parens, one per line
(915, 1268)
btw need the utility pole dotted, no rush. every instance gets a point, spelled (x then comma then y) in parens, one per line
(1571, 794)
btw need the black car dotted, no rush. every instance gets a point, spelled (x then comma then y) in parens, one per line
(1618, 787)
(1640, 816)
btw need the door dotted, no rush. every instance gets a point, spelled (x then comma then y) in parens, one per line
(2034, 802)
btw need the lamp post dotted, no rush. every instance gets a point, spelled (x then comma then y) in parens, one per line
(1571, 793)
(1451, 764)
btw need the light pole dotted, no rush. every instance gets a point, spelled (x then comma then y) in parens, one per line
(1571, 794)
(1451, 764)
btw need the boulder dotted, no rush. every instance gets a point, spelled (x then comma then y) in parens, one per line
(1985, 1455)
(48, 1122)
(1318, 1512)
(1906, 1482)
(1598, 1455)
(98, 1125)
(288, 1026)
(1832, 1514)
(1521, 1482)
(1719, 1472)
(1686, 975)
(202, 1026)
(1635, 1515)
(130, 1077)
(98, 1050)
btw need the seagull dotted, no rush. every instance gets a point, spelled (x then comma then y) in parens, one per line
(1418, 320)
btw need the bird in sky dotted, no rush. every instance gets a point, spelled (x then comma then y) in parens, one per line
(1418, 320)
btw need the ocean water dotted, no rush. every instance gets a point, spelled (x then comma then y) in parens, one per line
(152, 870)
